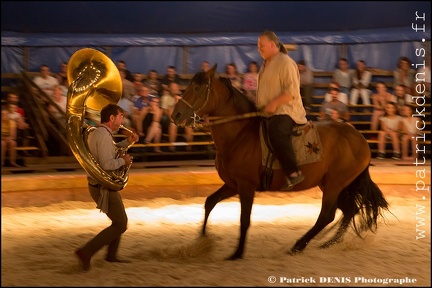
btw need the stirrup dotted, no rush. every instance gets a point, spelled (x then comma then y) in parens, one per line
(291, 181)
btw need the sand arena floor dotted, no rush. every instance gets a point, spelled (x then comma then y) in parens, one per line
(42, 227)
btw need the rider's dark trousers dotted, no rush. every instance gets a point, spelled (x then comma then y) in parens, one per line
(280, 132)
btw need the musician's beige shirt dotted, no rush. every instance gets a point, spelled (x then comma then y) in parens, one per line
(103, 149)
(277, 76)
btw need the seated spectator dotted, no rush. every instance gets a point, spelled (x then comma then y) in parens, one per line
(334, 88)
(45, 81)
(404, 75)
(334, 104)
(138, 81)
(153, 83)
(8, 138)
(250, 79)
(401, 97)
(409, 132)
(336, 116)
(232, 74)
(128, 86)
(205, 66)
(379, 100)
(150, 121)
(170, 77)
(361, 80)
(391, 126)
(306, 84)
(168, 101)
(61, 102)
(22, 125)
(343, 75)
(62, 78)
(142, 102)
(127, 106)
(121, 65)
(13, 98)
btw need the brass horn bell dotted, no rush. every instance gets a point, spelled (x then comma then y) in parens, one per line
(94, 81)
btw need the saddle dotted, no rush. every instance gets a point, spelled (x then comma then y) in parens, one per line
(306, 144)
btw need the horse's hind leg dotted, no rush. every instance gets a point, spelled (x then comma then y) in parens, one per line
(326, 216)
(222, 193)
(340, 232)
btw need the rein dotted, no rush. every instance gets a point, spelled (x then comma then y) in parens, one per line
(221, 120)
(201, 121)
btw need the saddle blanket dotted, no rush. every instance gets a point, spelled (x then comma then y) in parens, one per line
(306, 143)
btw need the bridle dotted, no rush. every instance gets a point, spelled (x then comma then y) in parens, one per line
(198, 120)
(195, 117)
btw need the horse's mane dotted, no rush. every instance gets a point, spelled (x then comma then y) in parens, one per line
(241, 101)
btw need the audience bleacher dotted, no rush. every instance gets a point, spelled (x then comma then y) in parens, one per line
(203, 144)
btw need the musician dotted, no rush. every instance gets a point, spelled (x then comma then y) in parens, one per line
(278, 95)
(103, 148)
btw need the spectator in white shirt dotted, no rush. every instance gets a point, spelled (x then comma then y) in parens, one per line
(45, 81)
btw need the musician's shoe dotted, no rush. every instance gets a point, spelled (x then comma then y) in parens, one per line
(83, 258)
(117, 260)
(292, 181)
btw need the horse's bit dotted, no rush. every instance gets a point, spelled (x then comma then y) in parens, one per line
(196, 118)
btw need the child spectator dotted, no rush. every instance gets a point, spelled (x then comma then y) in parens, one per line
(8, 138)
(232, 74)
(391, 124)
(361, 80)
(334, 87)
(401, 97)
(250, 79)
(168, 101)
(404, 75)
(334, 104)
(379, 100)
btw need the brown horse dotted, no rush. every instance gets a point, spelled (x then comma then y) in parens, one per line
(342, 174)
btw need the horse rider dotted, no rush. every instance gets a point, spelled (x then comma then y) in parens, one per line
(279, 96)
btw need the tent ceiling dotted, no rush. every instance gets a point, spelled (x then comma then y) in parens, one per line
(185, 17)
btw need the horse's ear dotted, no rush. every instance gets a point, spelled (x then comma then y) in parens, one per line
(210, 73)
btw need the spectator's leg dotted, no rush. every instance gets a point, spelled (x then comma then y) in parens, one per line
(3, 152)
(12, 153)
(188, 137)
(354, 96)
(395, 142)
(172, 135)
(405, 143)
(365, 96)
(381, 141)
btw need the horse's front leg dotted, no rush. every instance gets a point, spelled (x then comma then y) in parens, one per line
(222, 193)
(247, 194)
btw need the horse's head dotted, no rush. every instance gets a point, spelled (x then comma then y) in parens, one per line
(194, 105)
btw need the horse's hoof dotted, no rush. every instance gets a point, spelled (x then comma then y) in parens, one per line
(233, 257)
(294, 251)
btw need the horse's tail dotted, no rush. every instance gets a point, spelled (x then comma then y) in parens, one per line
(364, 198)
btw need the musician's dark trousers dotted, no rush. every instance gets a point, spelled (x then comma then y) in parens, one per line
(280, 132)
(111, 235)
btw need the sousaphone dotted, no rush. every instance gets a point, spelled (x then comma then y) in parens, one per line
(94, 81)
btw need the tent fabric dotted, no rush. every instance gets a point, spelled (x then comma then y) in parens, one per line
(207, 17)
(361, 36)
